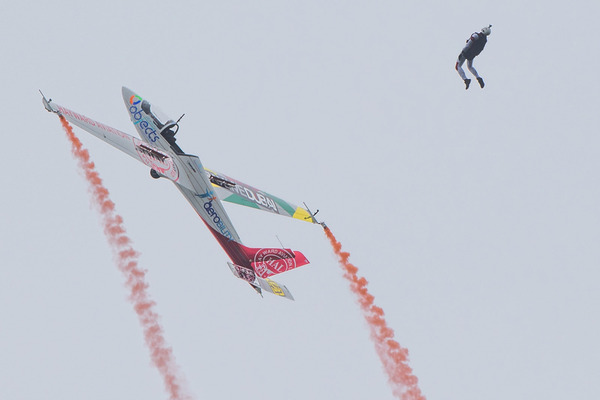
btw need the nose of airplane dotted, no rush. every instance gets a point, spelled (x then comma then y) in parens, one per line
(128, 95)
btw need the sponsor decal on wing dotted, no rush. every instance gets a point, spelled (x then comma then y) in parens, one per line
(157, 160)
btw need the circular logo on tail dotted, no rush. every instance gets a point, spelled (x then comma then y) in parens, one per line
(268, 262)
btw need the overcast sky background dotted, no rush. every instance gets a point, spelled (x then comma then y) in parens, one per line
(473, 214)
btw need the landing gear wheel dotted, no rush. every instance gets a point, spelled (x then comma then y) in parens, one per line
(154, 174)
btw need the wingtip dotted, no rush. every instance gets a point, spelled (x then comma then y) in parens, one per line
(311, 216)
(47, 102)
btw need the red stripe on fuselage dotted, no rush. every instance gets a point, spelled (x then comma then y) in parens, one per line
(234, 250)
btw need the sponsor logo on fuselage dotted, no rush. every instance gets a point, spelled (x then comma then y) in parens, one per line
(210, 195)
(268, 262)
(216, 219)
(137, 114)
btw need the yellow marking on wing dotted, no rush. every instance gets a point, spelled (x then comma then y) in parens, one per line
(301, 213)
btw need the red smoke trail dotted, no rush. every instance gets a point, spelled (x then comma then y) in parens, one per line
(127, 261)
(404, 384)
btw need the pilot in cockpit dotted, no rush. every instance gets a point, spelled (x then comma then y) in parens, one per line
(167, 129)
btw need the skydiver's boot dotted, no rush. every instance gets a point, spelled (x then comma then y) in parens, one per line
(480, 80)
(467, 83)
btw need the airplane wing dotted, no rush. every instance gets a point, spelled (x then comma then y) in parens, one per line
(157, 159)
(234, 191)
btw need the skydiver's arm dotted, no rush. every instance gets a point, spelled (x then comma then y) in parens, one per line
(470, 41)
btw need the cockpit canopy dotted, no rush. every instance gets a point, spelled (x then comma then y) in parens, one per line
(167, 128)
(159, 117)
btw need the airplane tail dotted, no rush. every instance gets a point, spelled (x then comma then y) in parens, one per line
(267, 262)
(264, 263)
(259, 284)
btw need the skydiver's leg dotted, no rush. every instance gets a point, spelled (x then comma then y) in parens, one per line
(458, 67)
(474, 72)
(461, 72)
(472, 69)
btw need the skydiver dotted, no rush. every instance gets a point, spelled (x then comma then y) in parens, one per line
(475, 45)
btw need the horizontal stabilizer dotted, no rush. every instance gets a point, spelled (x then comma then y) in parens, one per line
(278, 289)
(259, 283)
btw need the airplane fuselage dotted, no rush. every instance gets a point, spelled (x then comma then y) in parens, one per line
(159, 151)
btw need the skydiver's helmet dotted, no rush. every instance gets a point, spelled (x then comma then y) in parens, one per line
(486, 30)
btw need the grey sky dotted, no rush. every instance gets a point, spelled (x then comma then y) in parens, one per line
(473, 214)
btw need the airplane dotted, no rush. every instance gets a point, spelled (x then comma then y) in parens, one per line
(204, 189)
